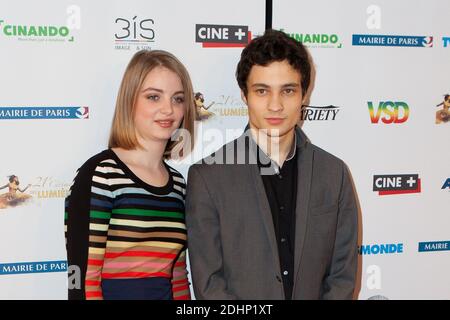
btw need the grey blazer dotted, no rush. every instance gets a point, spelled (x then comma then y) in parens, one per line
(232, 246)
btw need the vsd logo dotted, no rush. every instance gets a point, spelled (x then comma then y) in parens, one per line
(396, 184)
(216, 36)
(388, 112)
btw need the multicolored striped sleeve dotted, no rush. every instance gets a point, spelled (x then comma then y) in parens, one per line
(101, 202)
(180, 282)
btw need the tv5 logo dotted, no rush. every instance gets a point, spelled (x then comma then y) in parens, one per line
(388, 112)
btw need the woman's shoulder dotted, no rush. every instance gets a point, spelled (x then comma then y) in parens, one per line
(100, 159)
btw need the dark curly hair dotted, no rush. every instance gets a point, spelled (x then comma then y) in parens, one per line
(274, 46)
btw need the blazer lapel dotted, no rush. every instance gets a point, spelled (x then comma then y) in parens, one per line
(305, 160)
(266, 214)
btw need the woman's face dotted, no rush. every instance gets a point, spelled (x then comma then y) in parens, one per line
(160, 105)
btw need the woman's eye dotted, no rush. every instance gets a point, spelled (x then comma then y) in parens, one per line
(153, 97)
(179, 99)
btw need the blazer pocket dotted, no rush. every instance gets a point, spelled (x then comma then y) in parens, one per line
(323, 209)
(323, 219)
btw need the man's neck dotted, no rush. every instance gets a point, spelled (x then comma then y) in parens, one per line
(276, 147)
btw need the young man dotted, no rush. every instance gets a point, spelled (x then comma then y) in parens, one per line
(283, 226)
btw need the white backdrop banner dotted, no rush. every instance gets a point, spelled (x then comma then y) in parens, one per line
(378, 103)
(61, 64)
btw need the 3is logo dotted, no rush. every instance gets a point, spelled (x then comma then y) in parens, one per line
(388, 112)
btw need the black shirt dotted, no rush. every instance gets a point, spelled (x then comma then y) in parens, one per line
(281, 191)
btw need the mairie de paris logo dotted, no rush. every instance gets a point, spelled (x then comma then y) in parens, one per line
(381, 40)
(38, 112)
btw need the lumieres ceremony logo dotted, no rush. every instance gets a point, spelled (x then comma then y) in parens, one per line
(134, 33)
(38, 188)
(316, 40)
(443, 115)
(378, 40)
(222, 36)
(37, 113)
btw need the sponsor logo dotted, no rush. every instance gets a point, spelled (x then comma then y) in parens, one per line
(319, 113)
(396, 184)
(16, 195)
(388, 248)
(446, 184)
(24, 113)
(222, 36)
(32, 267)
(434, 246)
(392, 41)
(316, 40)
(26, 32)
(446, 42)
(443, 115)
(388, 111)
(135, 32)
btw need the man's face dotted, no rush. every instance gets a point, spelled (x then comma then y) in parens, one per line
(274, 97)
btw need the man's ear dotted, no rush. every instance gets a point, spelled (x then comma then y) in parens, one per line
(243, 97)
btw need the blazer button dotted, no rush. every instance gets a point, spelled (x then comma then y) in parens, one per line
(278, 278)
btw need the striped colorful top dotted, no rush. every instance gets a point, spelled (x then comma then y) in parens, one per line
(119, 227)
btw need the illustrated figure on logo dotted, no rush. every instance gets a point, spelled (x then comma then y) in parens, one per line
(12, 198)
(202, 112)
(443, 115)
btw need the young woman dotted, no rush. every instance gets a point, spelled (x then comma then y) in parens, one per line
(125, 225)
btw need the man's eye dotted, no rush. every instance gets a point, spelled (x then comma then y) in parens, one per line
(261, 91)
(289, 91)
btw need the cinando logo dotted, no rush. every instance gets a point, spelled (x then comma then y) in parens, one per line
(35, 32)
(316, 40)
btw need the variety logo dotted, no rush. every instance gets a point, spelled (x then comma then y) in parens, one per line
(388, 112)
(434, 246)
(443, 115)
(216, 36)
(392, 41)
(446, 184)
(446, 41)
(319, 113)
(33, 267)
(396, 184)
(387, 248)
(134, 32)
(316, 40)
(22, 113)
(35, 32)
